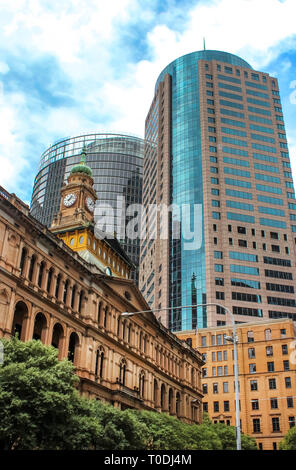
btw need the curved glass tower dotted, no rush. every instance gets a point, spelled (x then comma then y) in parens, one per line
(210, 114)
(116, 161)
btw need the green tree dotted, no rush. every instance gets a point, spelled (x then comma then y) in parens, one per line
(164, 432)
(289, 441)
(40, 406)
(120, 429)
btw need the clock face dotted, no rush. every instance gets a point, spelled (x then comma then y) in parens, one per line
(69, 199)
(90, 204)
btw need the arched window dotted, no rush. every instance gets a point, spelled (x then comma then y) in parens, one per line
(74, 289)
(122, 372)
(140, 341)
(49, 279)
(162, 396)
(39, 327)
(123, 330)
(142, 384)
(20, 312)
(192, 376)
(57, 336)
(118, 325)
(81, 297)
(129, 333)
(171, 396)
(144, 343)
(105, 316)
(57, 285)
(66, 287)
(155, 391)
(99, 363)
(99, 312)
(23, 259)
(72, 349)
(178, 404)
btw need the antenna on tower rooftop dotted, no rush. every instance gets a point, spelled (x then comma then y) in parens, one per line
(204, 44)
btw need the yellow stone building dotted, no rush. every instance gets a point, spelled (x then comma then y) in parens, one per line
(267, 377)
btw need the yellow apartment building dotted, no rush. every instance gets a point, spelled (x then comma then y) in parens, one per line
(267, 377)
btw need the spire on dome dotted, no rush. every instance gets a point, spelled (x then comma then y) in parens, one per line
(81, 167)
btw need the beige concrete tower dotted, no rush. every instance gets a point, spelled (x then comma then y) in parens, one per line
(216, 144)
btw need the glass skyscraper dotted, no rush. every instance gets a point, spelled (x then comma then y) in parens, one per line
(216, 150)
(116, 161)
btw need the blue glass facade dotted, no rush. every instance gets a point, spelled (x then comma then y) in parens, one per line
(187, 266)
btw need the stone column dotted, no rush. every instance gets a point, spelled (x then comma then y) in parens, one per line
(53, 284)
(69, 294)
(61, 289)
(36, 271)
(76, 299)
(27, 265)
(44, 277)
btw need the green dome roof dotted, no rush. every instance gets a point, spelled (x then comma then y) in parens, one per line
(81, 167)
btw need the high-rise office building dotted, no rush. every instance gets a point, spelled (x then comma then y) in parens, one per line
(116, 161)
(217, 153)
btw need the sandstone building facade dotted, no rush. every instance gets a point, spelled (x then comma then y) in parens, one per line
(51, 293)
(267, 377)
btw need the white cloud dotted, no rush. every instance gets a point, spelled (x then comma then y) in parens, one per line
(109, 89)
(4, 67)
(254, 29)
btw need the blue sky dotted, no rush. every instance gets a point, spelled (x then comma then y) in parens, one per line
(72, 66)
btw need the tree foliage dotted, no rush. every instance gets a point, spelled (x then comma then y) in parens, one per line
(42, 409)
(289, 441)
(40, 406)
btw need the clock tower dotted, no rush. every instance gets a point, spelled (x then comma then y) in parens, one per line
(78, 199)
(74, 224)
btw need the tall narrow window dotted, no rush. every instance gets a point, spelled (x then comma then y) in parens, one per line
(23, 259)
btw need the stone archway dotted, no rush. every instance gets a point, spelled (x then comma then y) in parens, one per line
(19, 318)
(58, 338)
(40, 326)
(73, 347)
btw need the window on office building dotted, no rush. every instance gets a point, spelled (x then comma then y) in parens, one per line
(276, 424)
(291, 421)
(272, 384)
(216, 406)
(256, 425)
(288, 382)
(273, 403)
(290, 403)
(250, 337)
(253, 385)
(255, 404)
(284, 349)
(226, 406)
(251, 353)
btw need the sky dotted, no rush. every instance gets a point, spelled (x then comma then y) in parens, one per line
(69, 67)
